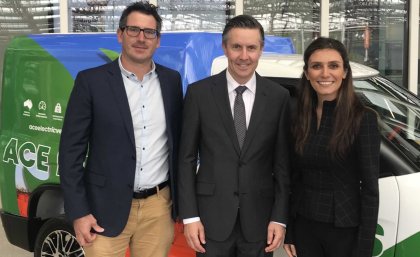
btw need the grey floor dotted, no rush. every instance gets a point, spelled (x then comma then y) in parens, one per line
(8, 250)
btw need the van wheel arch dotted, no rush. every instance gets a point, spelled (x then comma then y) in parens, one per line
(46, 201)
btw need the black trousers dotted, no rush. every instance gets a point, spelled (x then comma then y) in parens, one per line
(235, 246)
(319, 239)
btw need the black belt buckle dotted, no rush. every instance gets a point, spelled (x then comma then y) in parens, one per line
(143, 194)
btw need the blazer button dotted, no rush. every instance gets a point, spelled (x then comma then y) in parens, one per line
(133, 157)
(235, 193)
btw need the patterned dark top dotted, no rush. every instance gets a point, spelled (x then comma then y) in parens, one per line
(343, 191)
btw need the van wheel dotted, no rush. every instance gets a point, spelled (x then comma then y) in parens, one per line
(56, 238)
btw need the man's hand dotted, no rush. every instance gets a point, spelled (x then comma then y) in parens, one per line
(83, 227)
(275, 236)
(194, 233)
(290, 250)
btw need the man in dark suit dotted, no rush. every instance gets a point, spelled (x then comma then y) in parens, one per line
(125, 117)
(235, 204)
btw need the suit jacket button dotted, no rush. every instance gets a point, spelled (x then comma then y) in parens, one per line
(133, 157)
(235, 193)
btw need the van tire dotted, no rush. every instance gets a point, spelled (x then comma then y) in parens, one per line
(57, 236)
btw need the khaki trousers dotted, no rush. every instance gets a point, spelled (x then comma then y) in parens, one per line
(149, 231)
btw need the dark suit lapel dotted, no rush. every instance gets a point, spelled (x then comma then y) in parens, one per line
(258, 111)
(117, 85)
(221, 98)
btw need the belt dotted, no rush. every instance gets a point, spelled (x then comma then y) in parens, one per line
(142, 194)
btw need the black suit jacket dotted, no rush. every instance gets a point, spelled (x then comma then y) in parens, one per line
(254, 181)
(98, 123)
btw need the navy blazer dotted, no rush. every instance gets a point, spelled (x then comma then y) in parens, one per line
(98, 125)
(253, 181)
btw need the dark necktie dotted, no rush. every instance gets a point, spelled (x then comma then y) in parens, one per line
(239, 115)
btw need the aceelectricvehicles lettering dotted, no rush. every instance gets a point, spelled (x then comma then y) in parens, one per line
(45, 129)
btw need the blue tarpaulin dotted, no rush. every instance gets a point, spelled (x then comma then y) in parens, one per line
(190, 53)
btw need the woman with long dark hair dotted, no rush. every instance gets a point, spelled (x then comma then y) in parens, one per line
(335, 193)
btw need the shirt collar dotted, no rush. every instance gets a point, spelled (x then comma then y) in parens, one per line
(232, 84)
(131, 75)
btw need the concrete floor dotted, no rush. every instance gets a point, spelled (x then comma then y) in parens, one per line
(8, 250)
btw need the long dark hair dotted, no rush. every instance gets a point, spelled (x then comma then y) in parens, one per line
(348, 111)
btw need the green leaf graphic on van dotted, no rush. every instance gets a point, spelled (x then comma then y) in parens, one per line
(408, 247)
(378, 247)
(112, 55)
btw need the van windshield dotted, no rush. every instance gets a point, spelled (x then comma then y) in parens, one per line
(399, 111)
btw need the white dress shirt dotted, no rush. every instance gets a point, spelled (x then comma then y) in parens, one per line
(148, 115)
(248, 95)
